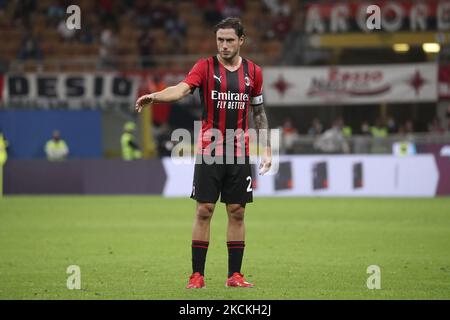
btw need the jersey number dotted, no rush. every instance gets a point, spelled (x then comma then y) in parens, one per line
(249, 188)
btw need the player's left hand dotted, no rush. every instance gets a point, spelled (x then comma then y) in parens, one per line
(266, 162)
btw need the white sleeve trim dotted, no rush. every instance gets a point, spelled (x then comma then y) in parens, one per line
(257, 100)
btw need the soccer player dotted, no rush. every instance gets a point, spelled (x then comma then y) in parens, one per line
(230, 87)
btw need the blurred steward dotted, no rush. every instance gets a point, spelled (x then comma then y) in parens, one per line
(3, 152)
(379, 130)
(130, 149)
(347, 130)
(56, 148)
(379, 133)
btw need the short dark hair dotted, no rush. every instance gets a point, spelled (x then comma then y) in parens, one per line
(231, 23)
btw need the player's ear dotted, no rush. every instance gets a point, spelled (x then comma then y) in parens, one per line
(241, 40)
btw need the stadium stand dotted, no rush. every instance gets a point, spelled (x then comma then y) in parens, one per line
(129, 21)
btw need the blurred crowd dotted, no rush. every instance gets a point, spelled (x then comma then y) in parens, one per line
(342, 138)
(156, 27)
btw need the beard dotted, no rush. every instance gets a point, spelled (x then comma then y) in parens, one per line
(229, 57)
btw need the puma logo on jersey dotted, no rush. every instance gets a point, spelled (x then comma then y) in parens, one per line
(218, 79)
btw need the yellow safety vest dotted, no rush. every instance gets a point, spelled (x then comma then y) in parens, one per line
(379, 132)
(347, 131)
(59, 148)
(3, 153)
(128, 152)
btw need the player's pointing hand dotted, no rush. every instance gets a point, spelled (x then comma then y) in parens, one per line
(144, 101)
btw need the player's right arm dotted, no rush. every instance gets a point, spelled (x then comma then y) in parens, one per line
(169, 94)
(193, 80)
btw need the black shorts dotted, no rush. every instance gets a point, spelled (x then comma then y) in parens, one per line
(233, 182)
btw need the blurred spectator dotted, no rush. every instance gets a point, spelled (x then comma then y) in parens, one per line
(130, 149)
(86, 34)
(231, 9)
(409, 127)
(333, 140)
(107, 15)
(108, 44)
(277, 7)
(160, 13)
(365, 128)
(316, 128)
(435, 127)
(281, 25)
(146, 44)
(406, 128)
(2, 7)
(22, 11)
(176, 32)
(211, 15)
(30, 48)
(391, 125)
(65, 33)
(202, 4)
(56, 149)
(362, 142)
(142, 16)
(55, 12)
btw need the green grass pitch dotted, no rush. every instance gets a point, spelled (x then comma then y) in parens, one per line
(138, 247)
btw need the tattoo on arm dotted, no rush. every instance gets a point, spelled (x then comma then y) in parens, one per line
(261, 123)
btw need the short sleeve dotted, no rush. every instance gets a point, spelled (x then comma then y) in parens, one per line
(257, 94)
(196, 76)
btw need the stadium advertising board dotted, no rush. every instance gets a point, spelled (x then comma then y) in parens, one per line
(395, 16)
(68, 90)
(339, 85)
(424, 175)
(353, 175)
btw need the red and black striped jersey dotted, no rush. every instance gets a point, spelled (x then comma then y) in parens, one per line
(226, 97)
